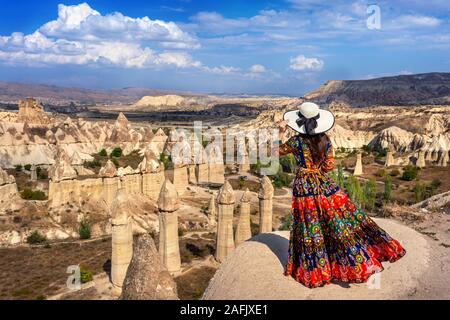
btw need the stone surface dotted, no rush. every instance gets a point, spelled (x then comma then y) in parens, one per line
(255, 271)
(358, 166)
(421, 159)
(31, 111)
(109, 170)
(389, 159)
(147, 278)
(225, 237)
(122, 238)
(169, 250)
(243, 229)
(265, 196)
(150, 163)
(168, 199)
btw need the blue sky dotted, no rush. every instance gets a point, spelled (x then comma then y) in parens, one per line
(262, 47)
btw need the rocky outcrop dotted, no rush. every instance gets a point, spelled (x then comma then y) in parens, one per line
(265, 196)
(225, 239)
(31, 111)
(255, 271)
(9, 195)
(243, 229)
(169, 250)
(122, 238)
(147, 278)
(427, 88)
(108, 171)
(358, 165)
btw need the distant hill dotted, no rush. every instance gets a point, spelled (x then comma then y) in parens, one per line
(12, 92)
(417, 89)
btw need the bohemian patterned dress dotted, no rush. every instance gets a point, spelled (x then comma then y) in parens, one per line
(331, 239)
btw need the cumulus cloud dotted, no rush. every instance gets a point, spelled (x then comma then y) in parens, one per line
(302, 63)
(257, 68)
(81, 35)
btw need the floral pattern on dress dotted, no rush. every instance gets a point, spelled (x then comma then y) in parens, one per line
(330, 238)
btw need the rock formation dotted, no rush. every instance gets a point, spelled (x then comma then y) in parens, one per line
(147, 278)
(442, 158)
(122, 238)
(108, 171)
(62, 169)
(225, 240)
(31, 111)
(265, 196)
(420, 159)
(358, 166)
(212, 215)
(243, 229)
(389, 158)
(33, 174)
(169, 250)
(216, 169)
(9, 194)
(152, 174)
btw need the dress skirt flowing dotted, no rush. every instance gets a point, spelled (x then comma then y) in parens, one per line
(330, 237)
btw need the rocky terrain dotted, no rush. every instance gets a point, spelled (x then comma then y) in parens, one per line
(411, 90)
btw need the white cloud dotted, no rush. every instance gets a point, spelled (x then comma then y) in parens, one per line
(257, 68)
(81, 35)
(408, 21)
(302, 63)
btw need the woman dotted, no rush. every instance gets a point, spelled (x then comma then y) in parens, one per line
(331, 239)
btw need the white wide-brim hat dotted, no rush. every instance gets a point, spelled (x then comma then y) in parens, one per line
(325, 120)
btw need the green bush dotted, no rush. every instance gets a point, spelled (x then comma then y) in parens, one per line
(167, 161)
(394, 172)
(286, 223)
(93, 164)
(116, 153)
(85, 275)
(116, 163)
(85, 229)
(354, 190)
(410, 173)
(367, 148)
(103, 153)
(281, 179)
(288, 163)
(369, 194)
(242, 182)
(436, 183)
(420, 192)
(387, 194)
(42, 174)
(29, 194)
(27, 167)
(340, 176)
(36, 238)
(18, 168)
(381, 173)
(382, 153)
(180, 232)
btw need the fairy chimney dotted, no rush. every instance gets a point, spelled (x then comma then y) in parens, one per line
(243, 230)
(389, 158)
(212, 214)
(442, 158)
(122, 237)
(358, 166)
(420, 159)
(265, 196)
(168, 205)
(225, 240)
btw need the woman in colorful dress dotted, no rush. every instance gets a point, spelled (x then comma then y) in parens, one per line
(331, 238)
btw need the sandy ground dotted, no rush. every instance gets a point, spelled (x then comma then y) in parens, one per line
(423, 273)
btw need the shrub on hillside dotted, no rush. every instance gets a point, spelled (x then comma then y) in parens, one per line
(394, 172)
(29, 194)
(410, 173)
(103, 153)
(18, 168)
(117, 152)
(288, 163)
(387, 194)
(85, 275)
(36, 238)
(286, 223)
(27, 167)
(85, 229)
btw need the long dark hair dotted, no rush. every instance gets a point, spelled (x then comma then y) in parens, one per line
(317, 144)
